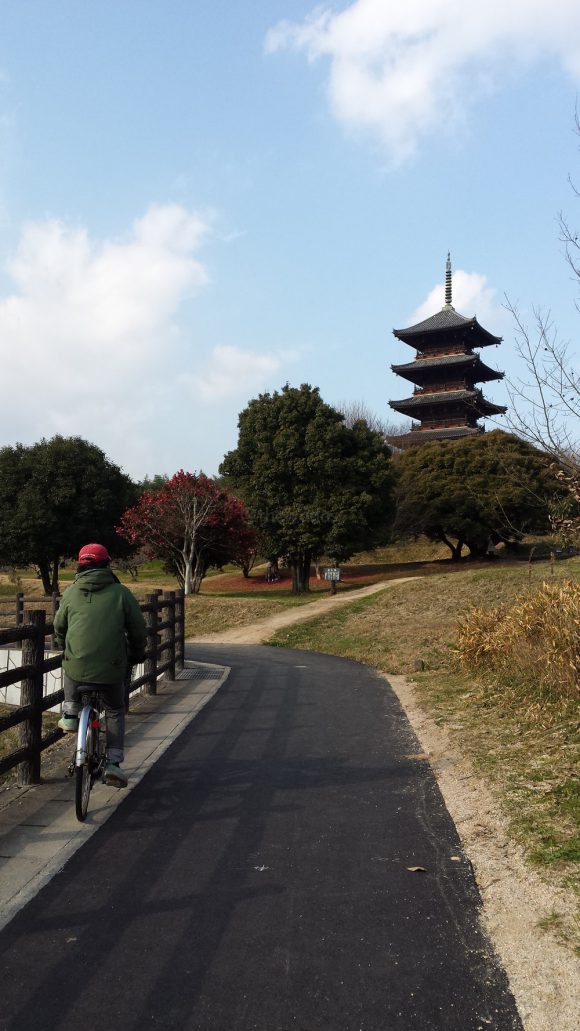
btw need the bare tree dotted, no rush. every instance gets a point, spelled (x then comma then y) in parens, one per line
(355, 411)
(545, 399)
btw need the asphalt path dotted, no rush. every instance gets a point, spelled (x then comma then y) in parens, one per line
(287, 864)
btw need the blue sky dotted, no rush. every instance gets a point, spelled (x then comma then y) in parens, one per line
(201, 201)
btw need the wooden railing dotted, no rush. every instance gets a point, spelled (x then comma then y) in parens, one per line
(165, 618)
(13, 609)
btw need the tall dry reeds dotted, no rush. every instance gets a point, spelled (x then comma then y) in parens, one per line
(532, 646)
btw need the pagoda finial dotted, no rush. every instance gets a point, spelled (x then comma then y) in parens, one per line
(448, 295)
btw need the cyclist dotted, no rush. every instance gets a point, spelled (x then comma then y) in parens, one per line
(101, 628)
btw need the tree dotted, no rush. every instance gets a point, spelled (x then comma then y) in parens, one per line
(354, 411)
(192, 524)
(56, 496)
(465, 492)
(313, 485)
(156, 482)
(545, 398)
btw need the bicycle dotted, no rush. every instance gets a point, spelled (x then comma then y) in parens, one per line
(90, 756)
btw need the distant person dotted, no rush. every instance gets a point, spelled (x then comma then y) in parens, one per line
(272, 572)
(101, 628)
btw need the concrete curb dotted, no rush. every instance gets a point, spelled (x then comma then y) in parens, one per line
(39, 831)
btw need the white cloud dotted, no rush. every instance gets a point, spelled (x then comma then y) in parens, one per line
(401, 71)
(471, 295)
(234, 373)
(93, 343)
(88, 332)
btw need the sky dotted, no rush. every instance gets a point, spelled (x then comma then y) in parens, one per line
(203, 200)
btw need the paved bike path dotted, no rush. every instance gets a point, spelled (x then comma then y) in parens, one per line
(288, 863)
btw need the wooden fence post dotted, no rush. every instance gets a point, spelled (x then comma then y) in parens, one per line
(169, 634)
(19, 609)
(179, 629)
(150, 665)
(31, 694)
(55, 602)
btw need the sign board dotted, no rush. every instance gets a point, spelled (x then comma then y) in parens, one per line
(332, 573)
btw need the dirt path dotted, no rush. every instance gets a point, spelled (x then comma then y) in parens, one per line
(544, 975)
(257, 633)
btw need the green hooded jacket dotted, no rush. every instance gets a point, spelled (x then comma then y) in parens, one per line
(100, 625)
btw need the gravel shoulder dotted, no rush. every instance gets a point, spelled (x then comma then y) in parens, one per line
(544, 975)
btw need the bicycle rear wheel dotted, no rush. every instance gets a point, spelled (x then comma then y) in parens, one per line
(84, 775)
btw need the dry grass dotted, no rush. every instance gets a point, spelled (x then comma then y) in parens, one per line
(212, 613)
(418, 620)
(533, 643)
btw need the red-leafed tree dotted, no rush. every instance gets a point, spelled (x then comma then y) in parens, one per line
(191, 524)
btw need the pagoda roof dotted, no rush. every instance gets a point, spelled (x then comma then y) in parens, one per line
(447, 320)
(413, 370)
(473, 399)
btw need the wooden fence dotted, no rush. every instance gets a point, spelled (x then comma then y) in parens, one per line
(164, 615)
(14, 608)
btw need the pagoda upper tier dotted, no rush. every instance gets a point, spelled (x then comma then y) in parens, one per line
(445, 372)
(452, 325)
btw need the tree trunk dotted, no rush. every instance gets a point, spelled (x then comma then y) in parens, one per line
(477, 550)
(300, 572)
(44, 570)
(306, 571)
(198, 575)
(455, 549)
(187, 575)
(54, 585)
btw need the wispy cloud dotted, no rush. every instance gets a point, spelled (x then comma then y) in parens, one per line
(402, 71)
(234, 373)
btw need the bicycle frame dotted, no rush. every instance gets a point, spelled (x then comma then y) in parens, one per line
(90, 753)
(88, 714)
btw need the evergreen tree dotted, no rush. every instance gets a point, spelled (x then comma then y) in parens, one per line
(313, 485)
(56, 496)
(466, 492)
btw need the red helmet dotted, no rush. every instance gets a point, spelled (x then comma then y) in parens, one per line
(93, 553)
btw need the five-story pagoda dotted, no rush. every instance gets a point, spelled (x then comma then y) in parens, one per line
(445, 372)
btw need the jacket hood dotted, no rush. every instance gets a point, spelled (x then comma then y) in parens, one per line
(95, 580)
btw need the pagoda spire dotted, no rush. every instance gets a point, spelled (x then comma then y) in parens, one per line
(448, 305)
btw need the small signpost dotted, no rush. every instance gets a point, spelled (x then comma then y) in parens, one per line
(332, 573)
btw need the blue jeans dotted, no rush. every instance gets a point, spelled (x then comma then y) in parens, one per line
(113, 698)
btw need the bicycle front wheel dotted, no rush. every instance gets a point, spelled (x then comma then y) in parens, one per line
(84, 775)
